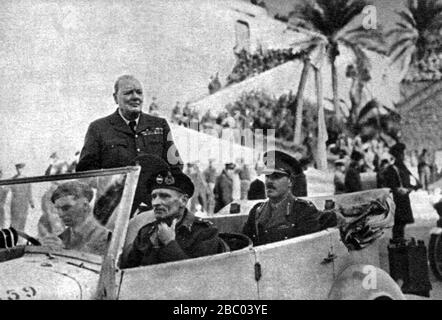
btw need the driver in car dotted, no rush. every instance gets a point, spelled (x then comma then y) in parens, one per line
(283, 216)
(83, 233)
(176, 234)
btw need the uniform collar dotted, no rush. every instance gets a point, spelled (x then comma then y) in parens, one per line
(284, 200)
(187, 220)
(127, 121)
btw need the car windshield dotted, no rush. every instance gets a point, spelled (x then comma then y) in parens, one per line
(75, 212)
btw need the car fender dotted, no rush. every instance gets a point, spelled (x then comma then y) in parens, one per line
(364, 282)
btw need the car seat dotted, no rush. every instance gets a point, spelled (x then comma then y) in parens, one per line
(236, 241)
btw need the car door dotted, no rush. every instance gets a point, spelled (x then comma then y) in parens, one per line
(226, 276)
(298, 268)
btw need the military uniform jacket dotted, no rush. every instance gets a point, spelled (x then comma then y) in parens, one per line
(90, 237)
(292, 217)
(110, 143)
(195, 237)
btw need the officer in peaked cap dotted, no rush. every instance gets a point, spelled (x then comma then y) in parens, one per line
(176, 233)
(282, 162)
(282, 216)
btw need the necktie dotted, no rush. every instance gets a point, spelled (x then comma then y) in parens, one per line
(132, 125)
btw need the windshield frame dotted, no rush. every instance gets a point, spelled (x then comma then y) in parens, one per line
(122, 216)
(70, 176)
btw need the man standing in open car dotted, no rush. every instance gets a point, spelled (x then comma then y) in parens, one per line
(118, 139)
(176, 234)
(283, 216)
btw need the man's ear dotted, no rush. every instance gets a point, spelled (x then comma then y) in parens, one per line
(184, 198)
(291, 180)
(115, 97)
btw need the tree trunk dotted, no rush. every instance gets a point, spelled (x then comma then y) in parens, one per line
(356, 101)
(338, 112)
(321, 153)
(300, 101)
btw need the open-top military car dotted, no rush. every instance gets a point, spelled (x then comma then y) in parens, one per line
(336, 263)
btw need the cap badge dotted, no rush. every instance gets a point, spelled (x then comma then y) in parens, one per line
(160, 179)
(169, 179)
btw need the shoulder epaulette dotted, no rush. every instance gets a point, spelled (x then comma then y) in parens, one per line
(259, 206)
(203, 221)
(305, 202)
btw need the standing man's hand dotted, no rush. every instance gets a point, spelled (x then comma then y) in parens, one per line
(166, 234)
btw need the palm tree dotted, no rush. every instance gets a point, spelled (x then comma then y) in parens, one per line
(328, 23)
(321, 153)
(299, 103)
(414, 32)
(360, 77)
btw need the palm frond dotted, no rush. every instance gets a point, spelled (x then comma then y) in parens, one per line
(404, 42)
(405, 26)
(407, 17)
(369, 39)
(394, 57)
(400, 32)
(354, 9)
(424, 12)
(362, 60)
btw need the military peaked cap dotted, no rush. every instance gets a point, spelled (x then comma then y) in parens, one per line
(281, 162)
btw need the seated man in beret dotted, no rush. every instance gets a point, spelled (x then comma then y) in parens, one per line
(176, 234)
(283, 216)
(83, 233)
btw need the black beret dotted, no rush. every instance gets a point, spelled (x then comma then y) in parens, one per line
(171, 178)
(73, 188)
(281, 162)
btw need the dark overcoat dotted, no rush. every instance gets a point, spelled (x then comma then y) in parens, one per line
(110, 143)
(195, 237)
(394, 177)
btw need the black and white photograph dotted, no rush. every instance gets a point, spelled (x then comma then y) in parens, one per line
(221, 155)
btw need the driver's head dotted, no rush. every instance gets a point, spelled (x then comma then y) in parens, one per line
(280, 168)
(72, 201)
(171, 189)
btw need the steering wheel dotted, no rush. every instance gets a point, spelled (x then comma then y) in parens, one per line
(31, 240)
